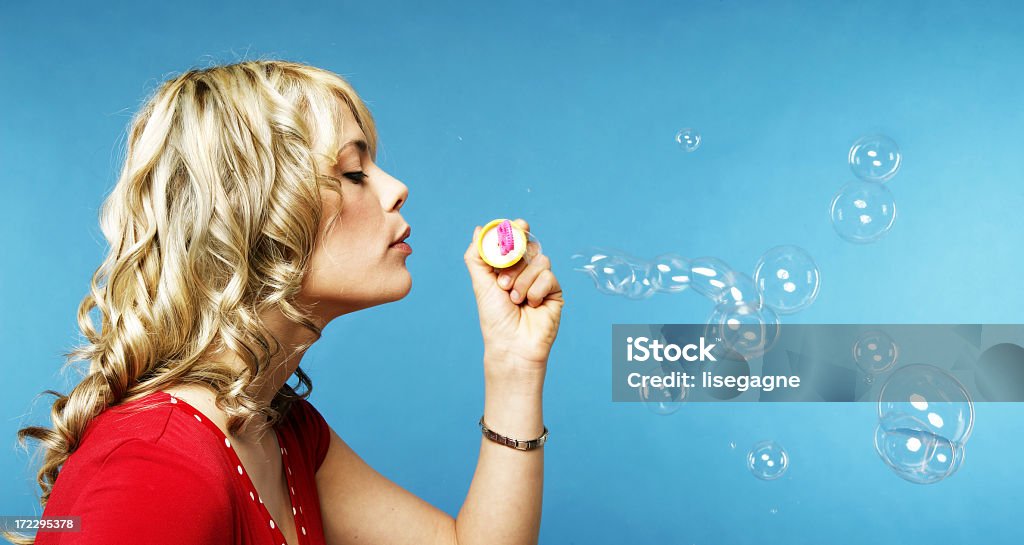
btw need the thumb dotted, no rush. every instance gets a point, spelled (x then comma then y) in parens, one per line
(480, 272)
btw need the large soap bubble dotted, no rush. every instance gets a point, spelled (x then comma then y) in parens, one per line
(787, 278)
(932, 398)
(925, 417)
(767, 460)
(914, 454)
(875, 158)
(863, 212)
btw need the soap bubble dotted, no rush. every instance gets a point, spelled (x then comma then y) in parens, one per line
(640, 286)
(863, 212)
(739, 289)
(875, 352)
(688, 140)
(707, 276)
(533, 247)
(744, 328)
(767, 460)
(670, 273)
(914, 454)
(925, 417)
(662, 400)
(926, 398)
(787, 278)
(875, 158)
(608, 268)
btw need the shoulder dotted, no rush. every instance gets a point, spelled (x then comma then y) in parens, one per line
(311, 427)
(143, 469)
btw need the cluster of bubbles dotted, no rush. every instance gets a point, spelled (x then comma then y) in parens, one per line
(864, 210)
(745, 317)
(767, 460)
(925, 417)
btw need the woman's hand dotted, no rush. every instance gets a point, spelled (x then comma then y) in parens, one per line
(520, 308)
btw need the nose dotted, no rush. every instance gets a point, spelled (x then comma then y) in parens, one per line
(395, 193)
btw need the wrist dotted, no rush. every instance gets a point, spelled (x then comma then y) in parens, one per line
(513, 381)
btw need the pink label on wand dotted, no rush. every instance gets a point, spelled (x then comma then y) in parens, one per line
(506, 240)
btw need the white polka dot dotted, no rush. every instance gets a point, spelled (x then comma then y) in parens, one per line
(300, 509)
(303, 530)
(289, 471)
(282, 451)
(253, 496)
(293, 490)
(271, 524)
(227, 443)
(286, 450)
(239, 470)
(261, 499)
(197, 417)
(174, 400)
(293, 510)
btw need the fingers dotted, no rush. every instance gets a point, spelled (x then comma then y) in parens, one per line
(479, 271)
(527, 277)
(544, 285)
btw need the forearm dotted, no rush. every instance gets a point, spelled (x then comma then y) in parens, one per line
(503, 505)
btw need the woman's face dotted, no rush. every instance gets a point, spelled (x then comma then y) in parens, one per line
(355, 264)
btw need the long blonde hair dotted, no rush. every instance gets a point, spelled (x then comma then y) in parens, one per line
(212, 221)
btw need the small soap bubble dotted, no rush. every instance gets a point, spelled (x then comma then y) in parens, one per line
(707, 276)
(533, 247)
(767, 460)
(662, 400)
(787, 278)
(875, 158)
(743, 328)
(774, 511)
(739, 289)
(863, 212)
(670, 273)
(688, 140)
(875, 352)
(732, 445)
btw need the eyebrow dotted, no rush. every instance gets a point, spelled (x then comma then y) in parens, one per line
(359, 143)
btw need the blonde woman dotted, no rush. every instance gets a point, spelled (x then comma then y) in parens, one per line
(250, 213)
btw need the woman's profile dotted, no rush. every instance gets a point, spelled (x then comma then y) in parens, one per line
(248, 214)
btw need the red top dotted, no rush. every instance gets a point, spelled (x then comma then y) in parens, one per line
(167, 474)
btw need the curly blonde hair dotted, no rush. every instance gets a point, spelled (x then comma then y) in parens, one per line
(212, 222)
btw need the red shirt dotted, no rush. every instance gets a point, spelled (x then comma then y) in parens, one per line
(167, 474)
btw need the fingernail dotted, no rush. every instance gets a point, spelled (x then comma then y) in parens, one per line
(503, 281)
(515, 296)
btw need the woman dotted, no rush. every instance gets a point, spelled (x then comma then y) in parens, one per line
(248, 215)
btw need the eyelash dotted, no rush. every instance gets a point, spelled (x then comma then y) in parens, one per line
(357, 176)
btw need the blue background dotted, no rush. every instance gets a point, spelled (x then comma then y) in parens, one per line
(565, 115)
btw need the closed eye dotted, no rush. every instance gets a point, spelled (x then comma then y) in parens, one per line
(357, 176)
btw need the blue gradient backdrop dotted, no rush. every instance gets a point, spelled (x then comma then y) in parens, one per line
(565, 114)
